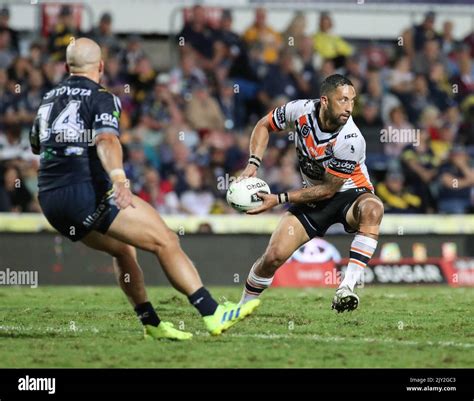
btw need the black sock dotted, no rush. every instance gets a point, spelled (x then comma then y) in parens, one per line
(147, 314)
(203, 302)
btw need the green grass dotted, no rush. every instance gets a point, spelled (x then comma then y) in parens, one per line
(394, 327)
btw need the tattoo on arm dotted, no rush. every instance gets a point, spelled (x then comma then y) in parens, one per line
(326, 190)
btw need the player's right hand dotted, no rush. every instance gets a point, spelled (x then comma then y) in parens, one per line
(122, 194)
(250, 171)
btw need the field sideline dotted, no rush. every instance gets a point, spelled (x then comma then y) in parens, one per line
(417, 327)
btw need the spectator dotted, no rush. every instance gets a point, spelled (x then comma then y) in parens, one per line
(200, 36)
(463, 82)
(142, 78)
(425, 59)
(295, 33)
(447, 38)
(31, 99)
(132, 53)
(442, 145)
(6, 97)
(370, 123)
(397, 121)
(401, 77)
(396, 197)
(466, 129)
(37, 55)
(418, 100)
(19, 198)
(469, 42)
(420, 166)
(158, 192)
(203, 111)
(5, 25)
(283, 80)
(196, 199)
(13, 146)
(415, 38)
(159, 110)
(103, 34)
(456, 183)
(263, 37)
(63, 32)
(329, 45)
(228, 48)
(230, 108)
(186, 76)
(7, 55)
(135, 165)
(375, 94)
(304, 64)
(440, 89)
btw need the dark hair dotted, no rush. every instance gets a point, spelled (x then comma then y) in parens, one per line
(332, 82)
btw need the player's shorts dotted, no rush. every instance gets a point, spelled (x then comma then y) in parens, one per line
(77, 209)
(318, 217)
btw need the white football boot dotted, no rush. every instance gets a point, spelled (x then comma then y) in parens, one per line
(345, 300)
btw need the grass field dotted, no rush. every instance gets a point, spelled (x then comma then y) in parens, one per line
(95, 327)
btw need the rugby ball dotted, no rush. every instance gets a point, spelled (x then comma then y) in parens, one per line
(242, 195)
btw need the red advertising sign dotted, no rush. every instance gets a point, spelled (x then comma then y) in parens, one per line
(456, 273)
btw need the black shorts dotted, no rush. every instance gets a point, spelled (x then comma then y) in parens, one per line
(318, 217)
(76, 210)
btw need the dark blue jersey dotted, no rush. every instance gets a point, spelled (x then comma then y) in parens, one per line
(69, 118)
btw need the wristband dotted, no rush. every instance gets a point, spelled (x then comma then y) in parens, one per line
(117, 172)
(255, 160)
(284, 197)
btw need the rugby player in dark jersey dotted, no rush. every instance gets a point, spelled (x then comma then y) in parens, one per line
(85, 195)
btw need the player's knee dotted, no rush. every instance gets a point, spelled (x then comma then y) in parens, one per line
(273, 259)
(167, 243)
(371, 211)
(125, 251)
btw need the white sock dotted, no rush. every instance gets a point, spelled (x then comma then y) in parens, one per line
(254, 286)
(362, 249)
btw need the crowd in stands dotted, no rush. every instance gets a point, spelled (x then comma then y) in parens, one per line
(186, 130)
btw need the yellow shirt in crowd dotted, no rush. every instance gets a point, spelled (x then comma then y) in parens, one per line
(331, 46)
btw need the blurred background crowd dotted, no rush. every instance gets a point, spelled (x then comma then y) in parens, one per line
(186, 128)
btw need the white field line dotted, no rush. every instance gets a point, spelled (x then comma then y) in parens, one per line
(48, 329)
(268, 336)
(351, 340)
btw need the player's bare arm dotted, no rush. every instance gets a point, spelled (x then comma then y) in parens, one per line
(329, 186)
(110, 154)
(258, 145)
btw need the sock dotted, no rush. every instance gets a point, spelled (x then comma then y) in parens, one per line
(147, 314)
(362, 249)
(254, 286)
(203, 302)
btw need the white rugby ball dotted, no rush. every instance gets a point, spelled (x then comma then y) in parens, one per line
(242, 195)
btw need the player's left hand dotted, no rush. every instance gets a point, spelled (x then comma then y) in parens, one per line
(269, 202)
